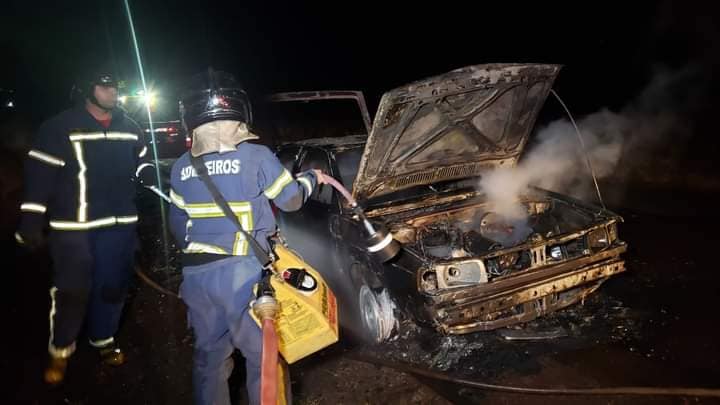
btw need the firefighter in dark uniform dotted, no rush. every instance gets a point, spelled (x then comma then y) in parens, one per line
(81, 176)
(219, 269)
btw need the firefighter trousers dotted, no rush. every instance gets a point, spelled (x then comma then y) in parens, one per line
(91, 274)
(218, 295)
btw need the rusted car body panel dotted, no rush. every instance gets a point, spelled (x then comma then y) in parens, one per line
(519, 299)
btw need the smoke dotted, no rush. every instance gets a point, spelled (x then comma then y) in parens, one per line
(618, 144)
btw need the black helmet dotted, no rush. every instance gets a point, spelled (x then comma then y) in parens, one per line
(211, 96)
(84, 87)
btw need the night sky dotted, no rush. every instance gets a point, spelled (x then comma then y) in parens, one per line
(609, 49)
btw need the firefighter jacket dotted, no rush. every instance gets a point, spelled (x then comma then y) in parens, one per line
(80, 175)
(248, 178)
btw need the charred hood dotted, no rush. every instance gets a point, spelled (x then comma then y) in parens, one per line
(452, 126)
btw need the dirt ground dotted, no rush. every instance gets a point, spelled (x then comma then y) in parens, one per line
(655, 325)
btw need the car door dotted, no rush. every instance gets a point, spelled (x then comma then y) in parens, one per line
(307, 231)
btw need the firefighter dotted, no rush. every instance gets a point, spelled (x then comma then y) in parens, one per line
(80, 179)
(219, 267)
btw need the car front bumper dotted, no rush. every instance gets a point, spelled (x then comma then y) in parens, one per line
(525, 296)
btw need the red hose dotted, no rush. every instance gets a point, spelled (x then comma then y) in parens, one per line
(269, 367)
(339, 187)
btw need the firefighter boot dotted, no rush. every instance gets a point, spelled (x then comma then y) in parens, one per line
(112, 355)
(55, 371)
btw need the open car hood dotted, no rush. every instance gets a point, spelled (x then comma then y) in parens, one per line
(452, 126)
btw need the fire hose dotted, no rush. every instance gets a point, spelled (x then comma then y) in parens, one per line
(662, 391)
(267, 307)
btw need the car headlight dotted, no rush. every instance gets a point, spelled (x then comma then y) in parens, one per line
(461, 273)
(612, 233)
(598, 239)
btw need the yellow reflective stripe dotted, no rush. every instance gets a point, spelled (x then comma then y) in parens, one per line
(240, 247)
(197, 247)
(214, 211)
(127, 220)
(102, 342)
(61, 352)
(276, 188)
(94, 136)
(122, 136)
(305, 182)
(46, 158)
(143, 152)
(98, 223)
(33, 207)
(82, 189)
(142, 166)
(70, 225)
(177, 199)
(90, 136)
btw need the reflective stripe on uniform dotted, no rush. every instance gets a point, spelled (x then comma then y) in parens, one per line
(46, 158)
(240, 246)
(305, 182)
(98, 223)
(177, 199)
(94, 136)
(33, 207)
(122, 136)
(82, 182)
(212, 210)
(61, 352)
(90, 136)
(197, 247)
(242, 209)
(278, 185)
(127, 220)
(101, 343)
(142, 166)
(143, 152)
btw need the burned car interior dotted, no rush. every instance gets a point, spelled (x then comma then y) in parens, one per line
(465, 265)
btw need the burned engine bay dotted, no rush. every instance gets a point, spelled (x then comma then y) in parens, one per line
(475, 244)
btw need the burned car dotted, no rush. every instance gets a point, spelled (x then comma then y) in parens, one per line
(463, 267)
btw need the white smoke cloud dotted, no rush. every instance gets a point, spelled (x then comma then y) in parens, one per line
(617, 143)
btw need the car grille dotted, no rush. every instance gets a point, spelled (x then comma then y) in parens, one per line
(547, 254)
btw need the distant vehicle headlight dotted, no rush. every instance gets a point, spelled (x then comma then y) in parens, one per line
(150, 99)
(598, 239)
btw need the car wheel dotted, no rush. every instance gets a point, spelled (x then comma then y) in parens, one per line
(377, 313)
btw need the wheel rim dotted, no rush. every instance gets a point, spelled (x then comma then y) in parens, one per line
(377, 314)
